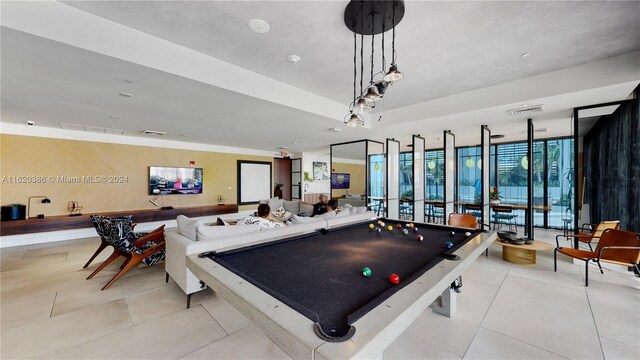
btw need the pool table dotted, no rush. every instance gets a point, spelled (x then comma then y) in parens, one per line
(309, 295)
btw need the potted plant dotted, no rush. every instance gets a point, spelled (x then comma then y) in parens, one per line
(494, 195)
(13, 212)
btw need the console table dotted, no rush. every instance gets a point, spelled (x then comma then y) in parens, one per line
(65, 222)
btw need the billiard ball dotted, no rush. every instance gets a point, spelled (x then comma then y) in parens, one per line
(394, 278)
(415, 229)
(419, 238)
(449, 244)
(378, 229)
(407, 225)
(382, 223)
(371, 226)
(452, 233)
(398, 226)
(389, 227)
(467, 234)
(405, 231)
(366, 272)
(411, 225)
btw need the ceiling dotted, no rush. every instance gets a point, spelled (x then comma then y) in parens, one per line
(444, 47)
(462, 59)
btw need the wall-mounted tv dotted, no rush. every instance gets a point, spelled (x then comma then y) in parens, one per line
(175, 180)
(340, 181)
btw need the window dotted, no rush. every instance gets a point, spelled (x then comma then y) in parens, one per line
(434, 177)
(560, 185)
(406, 176)
(376, 176)
(469, 174)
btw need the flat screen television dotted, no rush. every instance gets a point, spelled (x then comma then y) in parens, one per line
(340, 181)
(175, 180)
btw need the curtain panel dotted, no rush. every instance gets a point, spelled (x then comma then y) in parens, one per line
(612, 167)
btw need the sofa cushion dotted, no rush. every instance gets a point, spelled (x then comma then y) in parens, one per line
(295, 219)
(326, 216)
(361, 209)
(216, 233)
(275, 203)
(187, 227)
(306, 209)
(343, 213)
(292, 206)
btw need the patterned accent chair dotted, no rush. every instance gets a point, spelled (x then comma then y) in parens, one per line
(101, 224)
(148, 249)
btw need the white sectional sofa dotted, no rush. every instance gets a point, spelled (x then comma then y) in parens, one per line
(220, 238)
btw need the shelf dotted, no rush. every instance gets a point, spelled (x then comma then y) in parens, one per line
(62, 222)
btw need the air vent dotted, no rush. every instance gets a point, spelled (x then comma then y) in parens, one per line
(154, 132)
(93, 129)
(526, 110)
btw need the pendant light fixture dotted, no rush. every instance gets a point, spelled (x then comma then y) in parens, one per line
(371, 18)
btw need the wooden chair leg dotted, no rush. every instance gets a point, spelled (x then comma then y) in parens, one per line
(103, 245)
(111, 258)
(129, 264)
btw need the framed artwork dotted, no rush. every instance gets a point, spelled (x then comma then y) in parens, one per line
(320, 171)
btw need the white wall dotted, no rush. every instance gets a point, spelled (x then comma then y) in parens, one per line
(314, 187)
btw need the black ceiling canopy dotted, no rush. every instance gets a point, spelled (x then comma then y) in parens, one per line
(366, 17)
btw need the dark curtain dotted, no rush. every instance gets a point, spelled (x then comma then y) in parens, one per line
(612, 167)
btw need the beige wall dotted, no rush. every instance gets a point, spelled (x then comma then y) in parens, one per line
(46, 157)
(358, 178)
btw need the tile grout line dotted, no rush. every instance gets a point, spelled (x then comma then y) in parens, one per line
(522, 342)
(619, 342)
(53, 304)
(485, 314)
(595, 325)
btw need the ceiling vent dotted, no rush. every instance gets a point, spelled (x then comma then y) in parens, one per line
(154, 132)
(527, 110)
(93, 129)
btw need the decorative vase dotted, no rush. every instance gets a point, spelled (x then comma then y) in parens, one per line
(16, 212)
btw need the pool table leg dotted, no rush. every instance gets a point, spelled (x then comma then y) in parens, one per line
(445, 304)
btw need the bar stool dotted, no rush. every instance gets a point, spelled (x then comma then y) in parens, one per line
(565, 227)
(503, 215)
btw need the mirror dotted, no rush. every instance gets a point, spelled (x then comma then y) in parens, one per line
(357, 174)
(349, 174)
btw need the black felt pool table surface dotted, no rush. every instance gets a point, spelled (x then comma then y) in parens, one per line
(320, 274)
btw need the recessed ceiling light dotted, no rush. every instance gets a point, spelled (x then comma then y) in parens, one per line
(125, 94)
(259, 26)
(334, 129)
(524, 105)
(525, 55)
(293, 58)
(185, 135)
(128, 81)
(114, 117)
(497, 136)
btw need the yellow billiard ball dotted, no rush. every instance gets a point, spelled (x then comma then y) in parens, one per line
(411, 225)
(371, 226)
(390, 228)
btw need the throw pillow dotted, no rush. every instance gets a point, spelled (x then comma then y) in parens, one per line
(295, 219)
(306, 209)
(187, 227)
(361, 209)
(292, 206)
(275, 203)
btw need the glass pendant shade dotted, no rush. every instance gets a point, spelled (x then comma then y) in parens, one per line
(372, 93)
(355, 121)
(382, 87)
(393, 74)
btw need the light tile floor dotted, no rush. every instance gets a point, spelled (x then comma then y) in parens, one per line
(48, 310)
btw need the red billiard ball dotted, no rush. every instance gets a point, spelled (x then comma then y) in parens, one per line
(419, 238)
(394, 279)
(398, 226)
